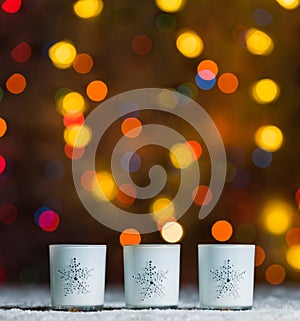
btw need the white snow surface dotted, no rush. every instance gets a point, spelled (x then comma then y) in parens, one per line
(33, 303)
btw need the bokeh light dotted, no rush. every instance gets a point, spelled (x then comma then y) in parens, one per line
(293, 256)
(260, 255)
(167, 100)
(2, 164)
(172, 232)
(3, 127)
(72, 152)
(87, 180)
(170, 5)
(275, 274)
(277, 216)
(83, 63)
(73, 102)
(62, 54)
(131, 127)
(189, 44)
(77, 136)
(21, 52)
(289, 4)
(292, 236)
(141, 44)
(297, 198)
(11, 6)
(104, 186)
(130, 236)
(196, 148)
(222, 230)
(130, 162)
(96, 90)
(165, 23)
(73, 118)
(208, 65)
(49, 221)
(8, 213)
(269, 138)
(262, 17)
(261, 158)
(188, 89)
(162, 209)
(228, 83)
(265, 91)
(181, 155)
(245, 233)
(205, 84)
(16, 83)
(126, 195)
(202, 195)
(86, 9)
(258, 42)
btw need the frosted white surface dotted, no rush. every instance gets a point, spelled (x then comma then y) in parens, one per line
(270, 303)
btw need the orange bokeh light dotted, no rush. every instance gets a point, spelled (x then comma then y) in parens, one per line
(96, 90)
(228, 83)
(275, 274)
(292, 237)
(196, 148)
(141, 45)
(131, 127)
(208, 65)
(3, 127)
(73, 119)
(83, 63)
(126, 194)
(130, 236)
(73, 153)
(221, 230)
(260, 255)
(16, 83)
(200, 193)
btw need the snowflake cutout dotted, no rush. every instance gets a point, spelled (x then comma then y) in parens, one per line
(228, 280)
(75, 278)
(151, 280)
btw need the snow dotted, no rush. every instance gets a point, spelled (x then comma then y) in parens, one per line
(33, 303)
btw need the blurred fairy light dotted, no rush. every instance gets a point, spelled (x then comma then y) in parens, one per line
(202, 195)
(73, 118)
(289, 4)
(162, 209)
(83, 63)
(72, 152)
(189, 44)
(222, 230)
(16, 83)
(181, 155)
(77, 136)
(228, 83)
(261, 158)
(3, 127)
(104, 186)
(86, 9)
(21, 52)
(275, 274)
(131, 127)
(46, 219)
(262, 17)
(258, 42)
(292, 236)
(277, 216)
(130, 236)
(265, 91)
(62, 54)
(87, 180)
(126, 195)
(96, 90)
(2, 164)
(170, 5)
(269, 137)
(130, 162)
(188, 89)
(260, 255)
(165, 23)
(172, 232)
(72, 102)
(293, 256)
(195, 147)
(141, 45)
(11, 6)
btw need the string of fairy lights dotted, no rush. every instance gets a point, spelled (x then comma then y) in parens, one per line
(277, 215)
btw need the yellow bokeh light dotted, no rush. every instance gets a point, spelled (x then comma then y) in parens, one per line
(181, 155)
(289, 4)
(269, 138)
(62, 54)
(170, 5)
(88, 8)
(104, 186)
(189, 44)
(162, 209)
(277, 216)
(72, 102)
(293, 256)
(77, 136)
(258, 42)
(265, 91)
(172, 232)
